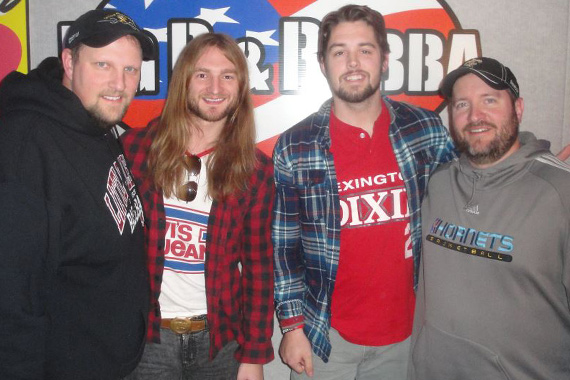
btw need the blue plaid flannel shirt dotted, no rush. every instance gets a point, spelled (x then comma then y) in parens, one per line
(306, 217)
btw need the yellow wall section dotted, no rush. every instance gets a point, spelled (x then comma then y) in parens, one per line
(17, 20)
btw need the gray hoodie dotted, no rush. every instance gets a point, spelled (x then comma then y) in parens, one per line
(493, 298)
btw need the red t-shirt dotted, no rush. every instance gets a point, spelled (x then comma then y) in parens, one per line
(373, 299)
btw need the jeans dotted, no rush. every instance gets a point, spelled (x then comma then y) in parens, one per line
(185, 357)
(349, 361)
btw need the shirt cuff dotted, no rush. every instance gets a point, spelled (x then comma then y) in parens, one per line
(255, 353)
(290, 313)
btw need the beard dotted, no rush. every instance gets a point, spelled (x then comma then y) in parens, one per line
(345, 94)
(195, 109)
(356, 97)
(506, 137)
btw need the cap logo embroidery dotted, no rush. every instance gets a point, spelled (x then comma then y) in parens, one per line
(120, 18)
(72, 37)
(473, 62)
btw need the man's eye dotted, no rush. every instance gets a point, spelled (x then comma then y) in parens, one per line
(101, 64)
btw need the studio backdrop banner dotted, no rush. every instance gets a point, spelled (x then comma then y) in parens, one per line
(279, 39)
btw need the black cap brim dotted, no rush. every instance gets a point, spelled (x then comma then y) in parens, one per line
(446, 88)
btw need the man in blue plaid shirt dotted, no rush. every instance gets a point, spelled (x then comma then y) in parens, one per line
(352, 224)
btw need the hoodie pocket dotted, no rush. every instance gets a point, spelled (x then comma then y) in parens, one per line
(438, 355)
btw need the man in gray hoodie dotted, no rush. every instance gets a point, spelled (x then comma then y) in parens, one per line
(493, 298)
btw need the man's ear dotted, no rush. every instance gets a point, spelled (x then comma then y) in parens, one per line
(385, 62)
(519, 108)
(67, 61)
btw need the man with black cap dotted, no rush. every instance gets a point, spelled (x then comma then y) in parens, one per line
(73, 283)
(493, 299)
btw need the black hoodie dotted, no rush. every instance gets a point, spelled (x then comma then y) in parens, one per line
(73, 283)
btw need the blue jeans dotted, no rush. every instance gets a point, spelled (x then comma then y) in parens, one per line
(185, 357)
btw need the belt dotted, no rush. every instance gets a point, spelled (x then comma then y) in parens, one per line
(185, 325)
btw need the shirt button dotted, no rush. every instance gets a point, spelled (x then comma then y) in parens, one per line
(362, 135)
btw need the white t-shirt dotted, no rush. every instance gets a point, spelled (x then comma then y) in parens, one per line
(183, 292)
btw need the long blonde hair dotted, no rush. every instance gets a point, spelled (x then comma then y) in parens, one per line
(233, 160)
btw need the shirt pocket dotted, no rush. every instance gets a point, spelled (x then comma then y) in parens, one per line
(313, 193)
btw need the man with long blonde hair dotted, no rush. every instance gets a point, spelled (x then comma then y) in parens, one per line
(207, 194)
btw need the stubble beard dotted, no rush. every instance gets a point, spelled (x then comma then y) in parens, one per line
(194, 109)
(102, 119)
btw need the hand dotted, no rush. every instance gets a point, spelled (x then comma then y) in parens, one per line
(295, 351)
(564, 153)
(248, 371)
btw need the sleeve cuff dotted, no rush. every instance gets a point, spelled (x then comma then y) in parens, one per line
(290, 313)
(291, 322)
(255, 353)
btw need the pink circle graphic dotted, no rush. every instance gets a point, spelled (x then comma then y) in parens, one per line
(10, 51)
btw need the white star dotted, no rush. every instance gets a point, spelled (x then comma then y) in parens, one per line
(263, 37)
(147, 3)
(213, 16)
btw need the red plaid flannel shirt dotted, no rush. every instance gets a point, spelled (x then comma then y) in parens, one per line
(240, 307)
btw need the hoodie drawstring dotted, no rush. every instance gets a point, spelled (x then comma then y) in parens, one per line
(469, 204)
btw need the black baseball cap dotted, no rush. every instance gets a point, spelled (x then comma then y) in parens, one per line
(100, 27)
(491, 71)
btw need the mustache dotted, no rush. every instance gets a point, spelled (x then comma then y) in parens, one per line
(352, 72)
(121, 94)
(480, 123)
